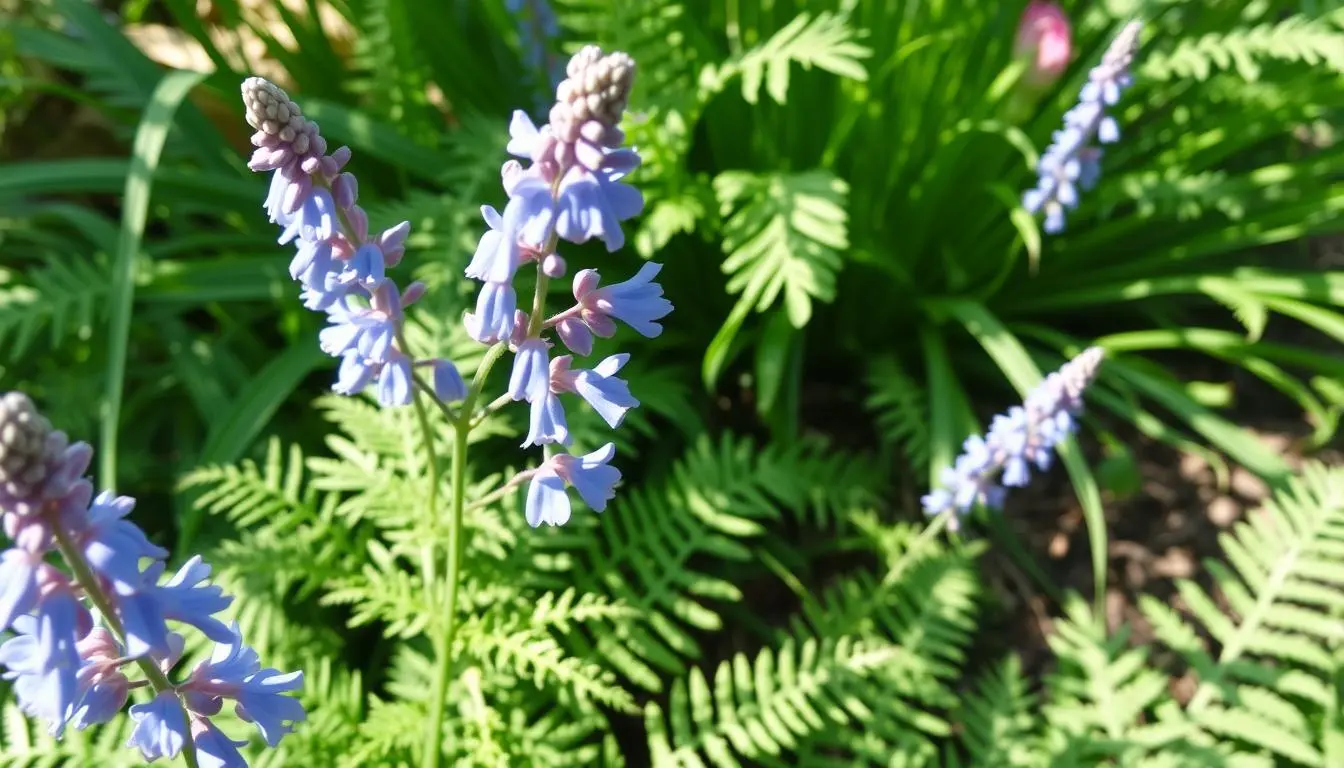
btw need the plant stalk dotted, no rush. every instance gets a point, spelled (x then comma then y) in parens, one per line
(89, 582)
(433, 751)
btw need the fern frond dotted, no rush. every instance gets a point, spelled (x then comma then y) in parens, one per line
(648, 550)
(901, 408)
(1282, 583)
(1297, 39)
(784, 232)
(999, 720)
(62, 297)
(825, 41)
(24, 743)
(754, 712)
(385, 591)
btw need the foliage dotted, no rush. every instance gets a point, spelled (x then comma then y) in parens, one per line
(834, 189)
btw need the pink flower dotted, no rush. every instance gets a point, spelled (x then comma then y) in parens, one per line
(1044, 37)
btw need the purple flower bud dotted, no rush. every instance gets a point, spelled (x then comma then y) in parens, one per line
(575, 335)
(345, 190)
(553, 266)
(449, 386)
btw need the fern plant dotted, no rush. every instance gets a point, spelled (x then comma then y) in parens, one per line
(1266, 664)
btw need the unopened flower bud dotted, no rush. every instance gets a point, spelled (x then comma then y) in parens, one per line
(553, 265)
(1045, 40)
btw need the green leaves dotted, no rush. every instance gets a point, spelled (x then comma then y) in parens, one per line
(784, 234)
(826, 42)
(1317, 43)
(145, 153)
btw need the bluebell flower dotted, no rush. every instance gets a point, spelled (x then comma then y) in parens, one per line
(449, 386)
(103, 687)
(315, 202)
(160, 727)
(1024, 437)
(494, 317)
(213, 748)
(43, 657)
(607, 393)
(113, 545)
(393, 378)
(546, 422)
(531, 376)
(1071, 162)
(637, 302)
(591, 475)
(64, 669)
(370, 331)
(233, 671)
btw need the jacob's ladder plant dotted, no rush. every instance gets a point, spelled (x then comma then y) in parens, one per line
(572, 188)
(68, 668)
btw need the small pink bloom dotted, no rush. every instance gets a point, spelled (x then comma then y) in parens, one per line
(1043, 36)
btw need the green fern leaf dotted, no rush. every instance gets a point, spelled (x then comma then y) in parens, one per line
(902, 410)
(784, 233)
(1297, 39)
(825, 42)
(754, 712)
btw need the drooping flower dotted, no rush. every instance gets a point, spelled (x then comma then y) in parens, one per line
(234, 672)
(1024, 437)
(160, 727)
(606, 392)
(591, 475)
(1071, 161)
(637, 302)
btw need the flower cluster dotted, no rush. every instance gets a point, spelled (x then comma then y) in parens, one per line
(341, 267)
(68, 670)
(572, 190)
(1072, 161)
(1023, 437)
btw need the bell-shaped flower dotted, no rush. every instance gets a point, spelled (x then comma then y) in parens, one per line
(531, 377)
(113, 545)
(160, 727)
(233, 671)
(637, 302)
(546, 422)
(213, 748)
(607, 393)
(591, 475)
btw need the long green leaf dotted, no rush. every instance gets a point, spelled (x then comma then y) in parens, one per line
(145, 153)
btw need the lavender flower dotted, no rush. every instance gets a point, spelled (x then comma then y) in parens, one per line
(590, 475)
(1071, 161)
(341, 267)
(573, 190)
(67, 670)
(1023, 438)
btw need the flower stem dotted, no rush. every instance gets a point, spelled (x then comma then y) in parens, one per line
(89, 583)
(433, 752)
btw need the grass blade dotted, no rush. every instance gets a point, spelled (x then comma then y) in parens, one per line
(150, 136)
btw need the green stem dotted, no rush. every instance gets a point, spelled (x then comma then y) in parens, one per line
(433, 751)
(916, 547)
(502, 490)
(84, 575)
